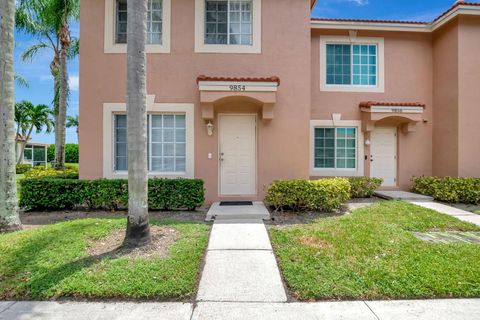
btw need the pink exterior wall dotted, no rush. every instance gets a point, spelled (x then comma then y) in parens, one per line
(408, 78)
(172, 78)
(445, 117)
(456, 96)
(440, 69)
(469, 97)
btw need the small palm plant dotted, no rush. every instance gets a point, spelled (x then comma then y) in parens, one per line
(72, 122)
(31, 117)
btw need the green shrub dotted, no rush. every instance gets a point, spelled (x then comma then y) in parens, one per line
(42, 172)
(448, 189)
(58, 194)
(71, 153)
(22, 168)
(363, 187)
(305, 195)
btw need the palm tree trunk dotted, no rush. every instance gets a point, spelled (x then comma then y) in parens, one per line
(138, 229)
(61, 116)
(23, 144)
(9, 219)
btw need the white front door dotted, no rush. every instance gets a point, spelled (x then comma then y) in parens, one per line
(237, 154)
(383, 152)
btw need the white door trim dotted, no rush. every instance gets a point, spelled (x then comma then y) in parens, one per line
(394, 130)
(255, 189)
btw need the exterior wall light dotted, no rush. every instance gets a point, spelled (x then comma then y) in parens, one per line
(210, 128)
(367, 142)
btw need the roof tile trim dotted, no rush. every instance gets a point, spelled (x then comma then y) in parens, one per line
(368, 104)
(368, 21)
(239, 79)
(455, 6)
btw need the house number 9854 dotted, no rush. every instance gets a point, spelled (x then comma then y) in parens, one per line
(237, 87)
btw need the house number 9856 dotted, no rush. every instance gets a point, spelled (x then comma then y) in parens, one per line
(237, 88)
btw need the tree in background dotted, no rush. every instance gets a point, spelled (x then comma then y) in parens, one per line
(72, 122)
(71, 153)
(9, 218)
(31, 117)
(48, 20)
(138, 228)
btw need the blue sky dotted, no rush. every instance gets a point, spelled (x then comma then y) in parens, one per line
(38, 75)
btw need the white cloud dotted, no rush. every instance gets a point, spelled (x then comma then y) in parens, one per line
(359, 2)
(73, 82)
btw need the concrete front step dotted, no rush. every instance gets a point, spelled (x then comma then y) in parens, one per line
(402, 195)
(255, 211)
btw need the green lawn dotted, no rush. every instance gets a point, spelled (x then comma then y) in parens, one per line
(370, 254)
(51, 262)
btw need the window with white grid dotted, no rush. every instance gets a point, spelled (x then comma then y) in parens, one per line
(335, 148)
(228, 22)
(351, 64)
(166, 143)
(154, 22)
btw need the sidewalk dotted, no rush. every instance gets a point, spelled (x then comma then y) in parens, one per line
(241, 280)
(459, 309)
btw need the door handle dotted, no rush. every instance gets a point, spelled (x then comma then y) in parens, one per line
(221, 156)
(371, 158)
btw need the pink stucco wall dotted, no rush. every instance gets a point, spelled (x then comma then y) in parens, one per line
(408, 78)
(456, 97)
(440, 69)
(172, 78)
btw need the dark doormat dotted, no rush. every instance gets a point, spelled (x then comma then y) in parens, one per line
(236, 203)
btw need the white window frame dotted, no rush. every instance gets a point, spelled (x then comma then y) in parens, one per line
(111, 109)
(110, 45)
(379, 42)
(201, 47)
(341, 172)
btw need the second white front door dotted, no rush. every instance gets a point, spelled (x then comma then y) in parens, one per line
(237, 134)
(383, 153)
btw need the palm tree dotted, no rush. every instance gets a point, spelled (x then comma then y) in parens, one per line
(138, 228)
(49, 21)
(72, 122)
(33, 117)
(9, 219)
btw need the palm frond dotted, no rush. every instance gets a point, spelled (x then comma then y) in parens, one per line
(74, 49)
(31, 51)
(22, 82)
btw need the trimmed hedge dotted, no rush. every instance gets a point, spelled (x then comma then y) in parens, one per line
(306, 195)
(363, 187)
(448, 189)
(22, 168)
(58, 194)
(42, 172)
(71, 153)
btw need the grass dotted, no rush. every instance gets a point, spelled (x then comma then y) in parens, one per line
(370, 254)
(51, 262)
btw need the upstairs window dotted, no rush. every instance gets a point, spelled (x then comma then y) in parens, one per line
(154, 21)
(228, 22)
(352, 64)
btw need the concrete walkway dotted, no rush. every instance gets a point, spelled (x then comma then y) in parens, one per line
(458, 309)
(451, 211)
(240, 265)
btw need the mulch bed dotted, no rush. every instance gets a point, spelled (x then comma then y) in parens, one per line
(112, 246)
(38, 218)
